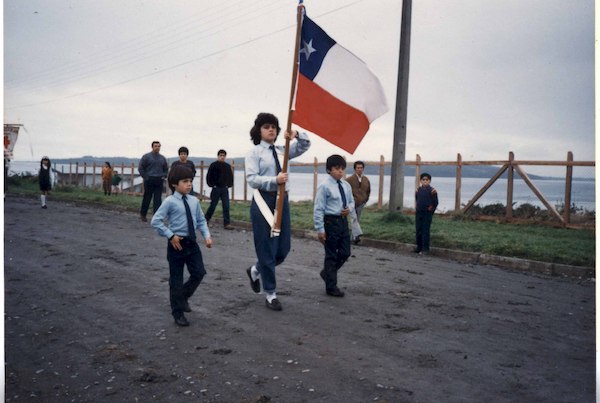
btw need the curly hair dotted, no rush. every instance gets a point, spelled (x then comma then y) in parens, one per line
(261, 119)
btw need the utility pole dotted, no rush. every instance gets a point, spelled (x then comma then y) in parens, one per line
(399, 149)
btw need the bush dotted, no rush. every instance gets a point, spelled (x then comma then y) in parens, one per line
(526, 210)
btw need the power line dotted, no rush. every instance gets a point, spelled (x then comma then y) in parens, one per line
(175, 66)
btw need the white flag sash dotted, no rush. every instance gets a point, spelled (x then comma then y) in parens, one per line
(265, 211)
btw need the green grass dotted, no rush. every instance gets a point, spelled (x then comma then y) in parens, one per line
(529, 241)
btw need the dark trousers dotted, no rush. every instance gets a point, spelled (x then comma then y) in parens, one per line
(337, 248)
(423, 225)
(270, 251)
(190, 256)
(153, 188)
(216, 194)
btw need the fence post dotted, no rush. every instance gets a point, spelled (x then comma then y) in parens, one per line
(233, 173)
(457, 194)
(315, 177)
(84, 174)
(510, 186)
(77, 173)
(70, 172)
(381, 176)
(568, 186)
(122, 173)
(201, 179)
(94, 175)
(132, 178)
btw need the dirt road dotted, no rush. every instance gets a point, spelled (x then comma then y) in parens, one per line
(88, 320)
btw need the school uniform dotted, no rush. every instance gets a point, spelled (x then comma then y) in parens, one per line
(261, 170)
(427, 201)
(173, 210)
(329, 203)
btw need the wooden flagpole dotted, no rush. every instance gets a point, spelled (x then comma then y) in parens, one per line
(286, 154)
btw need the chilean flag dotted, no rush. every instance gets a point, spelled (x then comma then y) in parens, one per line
(337, 96)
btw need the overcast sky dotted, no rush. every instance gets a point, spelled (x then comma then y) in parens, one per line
(106, 77)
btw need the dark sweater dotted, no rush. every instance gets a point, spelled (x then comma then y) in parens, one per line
(427, 199)
(219, 175)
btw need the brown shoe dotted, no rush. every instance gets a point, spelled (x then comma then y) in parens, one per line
(143, 218)
(228, 226)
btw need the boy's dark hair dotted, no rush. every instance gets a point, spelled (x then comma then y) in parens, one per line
(154, 142)
(358, 163)
(177, 173)
(261, 119)
(221, 152)
(425, 175)
(335, 161)
(183, 150)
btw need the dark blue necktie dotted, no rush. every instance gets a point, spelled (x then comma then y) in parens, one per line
(344, 201)
(190, 220)
(272, 147)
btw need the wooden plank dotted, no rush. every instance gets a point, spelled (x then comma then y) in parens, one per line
(485, 188)
(538, 193)
(458, 183)
(510, 186)
(568, 184)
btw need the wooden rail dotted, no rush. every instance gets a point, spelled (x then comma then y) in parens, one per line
(509, 165)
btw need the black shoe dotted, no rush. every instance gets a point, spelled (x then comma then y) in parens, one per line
(322, 274)
(357, 240)
(255, 284)
(143, 218)
(44, 206)
(228, 226)
(186, 307)
(417, 250)
(274, 304)
(335, 293)
(181, 321)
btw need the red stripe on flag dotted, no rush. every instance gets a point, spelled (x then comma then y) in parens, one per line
(325, 115)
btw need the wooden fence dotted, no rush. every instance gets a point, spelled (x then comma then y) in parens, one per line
(82, 174)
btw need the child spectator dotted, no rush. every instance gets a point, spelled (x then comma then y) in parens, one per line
(427, 201)
(116, 180)
(333, 204)
(45, 179)
(183, 215)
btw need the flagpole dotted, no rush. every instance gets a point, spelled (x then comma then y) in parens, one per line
(286, 154)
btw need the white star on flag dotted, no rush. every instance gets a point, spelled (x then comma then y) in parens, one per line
(307, 49)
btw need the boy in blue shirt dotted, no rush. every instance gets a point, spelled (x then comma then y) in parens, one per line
(184, 215)
(426, 203)
(333, 204)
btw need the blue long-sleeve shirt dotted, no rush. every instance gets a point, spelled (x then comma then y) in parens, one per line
(261, 170)
(173, 210)
(328, 201)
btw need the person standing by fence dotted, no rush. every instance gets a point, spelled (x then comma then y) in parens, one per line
(220, 178)
(107, 174)
(153, 168)
(45, 179)
(361, 191)
(183, 152)
(427, 201)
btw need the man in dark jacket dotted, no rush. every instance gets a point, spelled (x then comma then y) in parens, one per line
(220, 178)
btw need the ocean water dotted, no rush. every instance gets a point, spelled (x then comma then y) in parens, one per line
(301, 188)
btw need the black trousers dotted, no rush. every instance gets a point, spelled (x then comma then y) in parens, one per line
(153, 188)
(216, 194)
(190, 255)
(337, 248)
(423, 226)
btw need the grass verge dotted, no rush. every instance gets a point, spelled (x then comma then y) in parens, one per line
(528, 241)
